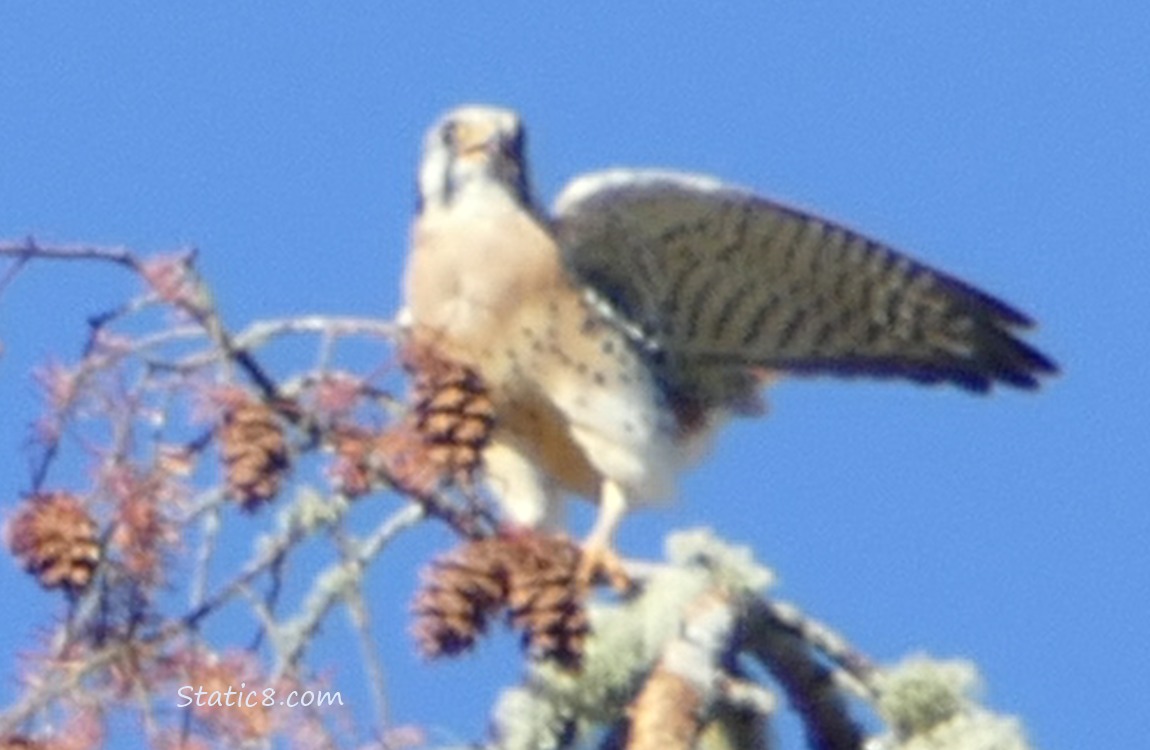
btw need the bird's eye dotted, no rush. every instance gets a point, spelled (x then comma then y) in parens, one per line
(450, 134)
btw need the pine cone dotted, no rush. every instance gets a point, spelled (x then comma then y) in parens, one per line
(254, 451)
(460, 592)
(452, 411)
(532, 575)
(55, 538)
(546, 597)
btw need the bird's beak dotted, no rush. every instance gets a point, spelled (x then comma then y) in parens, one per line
(494, 148)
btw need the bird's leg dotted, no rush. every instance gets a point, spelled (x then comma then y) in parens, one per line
(599, 558)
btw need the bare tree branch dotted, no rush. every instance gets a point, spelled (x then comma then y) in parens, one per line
(183, 437)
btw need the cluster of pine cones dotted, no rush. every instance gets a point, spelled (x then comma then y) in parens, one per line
(531, 576)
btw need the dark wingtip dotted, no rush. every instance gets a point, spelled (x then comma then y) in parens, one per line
(997, 354)
(1034, 366)
(1000, 358)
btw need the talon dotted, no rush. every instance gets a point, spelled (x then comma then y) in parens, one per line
(599, 563)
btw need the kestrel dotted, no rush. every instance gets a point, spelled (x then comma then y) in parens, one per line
(618, 332)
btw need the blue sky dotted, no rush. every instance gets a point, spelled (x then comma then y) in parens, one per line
(1006, 142)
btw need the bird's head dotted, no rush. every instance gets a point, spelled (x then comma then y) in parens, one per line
(473, 148)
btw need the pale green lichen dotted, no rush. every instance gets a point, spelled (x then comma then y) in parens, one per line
(919, 693)
(931, 705)
(628, 637)
(732, 567)
(311, 510)
(927, 704)
(528, 721)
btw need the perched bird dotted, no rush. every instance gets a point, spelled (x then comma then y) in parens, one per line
(618, 332)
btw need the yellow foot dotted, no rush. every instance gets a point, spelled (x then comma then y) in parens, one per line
(599, 563)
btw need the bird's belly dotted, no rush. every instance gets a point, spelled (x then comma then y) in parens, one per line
(532, 425)
(600, 413)
(582, 438)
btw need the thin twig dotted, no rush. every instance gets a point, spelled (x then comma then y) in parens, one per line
(31, 249)
(330, 585)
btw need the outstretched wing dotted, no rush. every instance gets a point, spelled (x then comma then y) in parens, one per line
(713, 281)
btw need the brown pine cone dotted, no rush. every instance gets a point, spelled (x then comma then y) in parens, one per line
(533, 575)
(55, 539)
(461, 591)
(452, 411)
(546, 596)
(254, 451)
